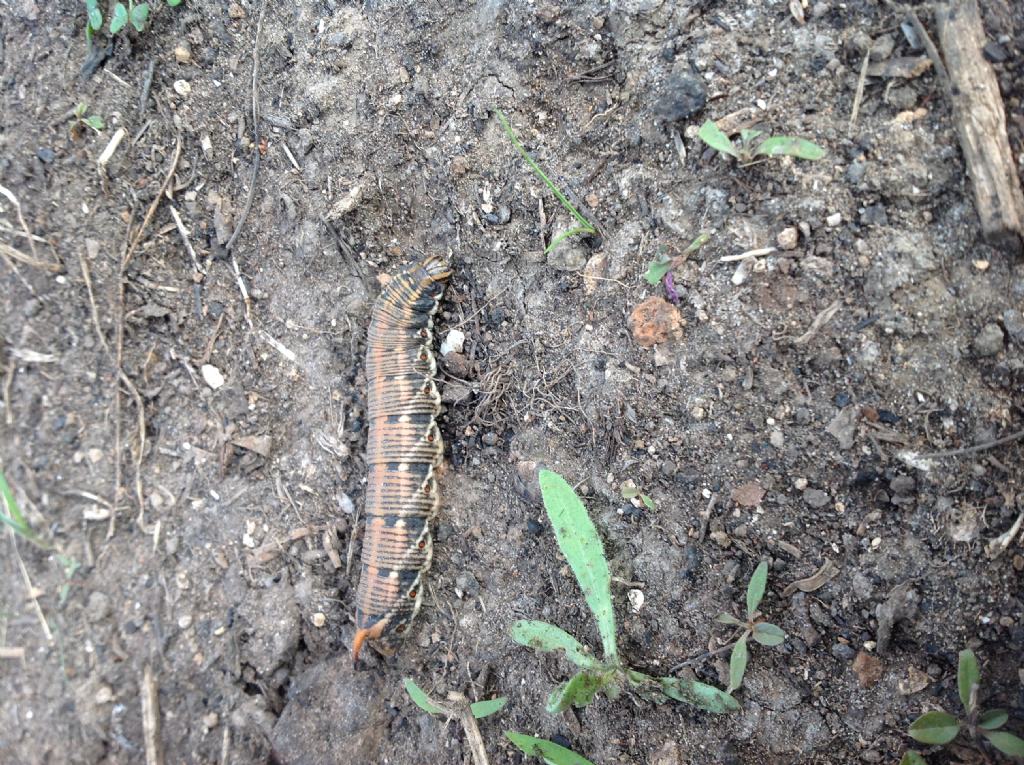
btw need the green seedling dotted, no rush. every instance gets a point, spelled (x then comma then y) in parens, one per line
(940, 727)
(763, 632)
(912, 758)
(749, 150)
(480, 709)
(578, 540)
(583, 226)
(636, 497)
(15, 520)
(660, 267)
(93, 19)
(549, 751)
(136, 14)
(93, 121)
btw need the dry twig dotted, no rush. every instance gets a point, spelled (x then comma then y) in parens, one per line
(151, 718)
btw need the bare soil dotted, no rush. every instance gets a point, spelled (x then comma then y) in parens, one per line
(220, 551)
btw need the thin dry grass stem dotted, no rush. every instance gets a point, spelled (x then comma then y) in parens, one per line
(29, 588)
(92, 302)
(12, 652)
(151, 718)
(21, 220)
(17, 255)
(858, 95)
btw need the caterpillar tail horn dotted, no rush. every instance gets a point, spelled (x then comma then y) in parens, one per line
(370, 633)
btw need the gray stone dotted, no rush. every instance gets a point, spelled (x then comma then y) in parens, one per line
(568, 257)
(681, 97)
(816, 498)
(989, 341)
(1013, 320)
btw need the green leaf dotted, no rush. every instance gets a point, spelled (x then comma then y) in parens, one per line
(139, 15)
(628, 489)
(913, 758)
(549, 751)
(1005, 742)
(95, 15)
(711, 135)
(738, 664)
(482, 709)
(119, 19)
(94, 121)
(697, 243)
(698, 694)
(648, 502)
(790, 146)
(755, 588)
(656, 271)
(174, 3)
(578, 691)
(934, 728)
(728, 619)
(419, 698)
(542, 636)
(13, 516)
(991, 719)
(967, 677)
(581, 546)
(768, 634)
(80, 109)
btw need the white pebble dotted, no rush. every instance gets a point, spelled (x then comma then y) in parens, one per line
(347, 506)
(834, 220)
(182, 87)
(453, 342)
(212, 376)
(636, 600)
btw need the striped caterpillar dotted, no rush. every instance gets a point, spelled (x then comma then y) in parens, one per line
(402, 449)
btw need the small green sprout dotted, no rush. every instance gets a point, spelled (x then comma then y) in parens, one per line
(583, 226)
(93, 121)
(578, 540)
(763, 632)
(658, 268)
(93, 20)
(136, 14)
(480, 709)
(549, 751)
(636, 497)
(940, 727)
(747, 152)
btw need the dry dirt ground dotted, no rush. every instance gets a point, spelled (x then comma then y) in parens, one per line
(223, 565)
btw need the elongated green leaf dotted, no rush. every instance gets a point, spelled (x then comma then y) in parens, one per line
(482, 709)
(711, 135)
(174, 3)
(578, 691)
(934, 728)
(419, 697)
(139, 15)
(768, 634)
(738, 664)
(549, 751)
(585, 225)
(699, 694)
(119, 19)
(789, 146)
(755, 588)
(991, 719)
(12, 513)
(95, 16)
(749, 134)
(581, 546)
(1005, 742)
(913, 758)
(542, 636)
(967, 677)
(94, 121)
(728, 619)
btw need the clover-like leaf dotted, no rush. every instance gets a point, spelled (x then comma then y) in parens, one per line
(578, 691)
(698, 694)
(578, 540)
(790, 146)
(768, 634)
(738, 664)
(935, 728)
(549, 751)
(1006, 743)
(419, 697)
(968, 676)
(119, 19)
(139, 15)
(94, 14)
(755, 588)
(542, 636)
(991, 719)
(482, 709)
(713, 136)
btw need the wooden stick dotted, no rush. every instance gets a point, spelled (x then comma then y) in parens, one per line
(981, 122)
(151, 718)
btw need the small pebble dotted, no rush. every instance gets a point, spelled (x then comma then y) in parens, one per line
(182, 87)
(989, 341)
(319, 619)
(466, 585)
(453, 342)
(788, 238)
(236, 11)
(816, 498)
(868, 668)
(636, 600)
(182, 53)
(212, 376)
(833, 220)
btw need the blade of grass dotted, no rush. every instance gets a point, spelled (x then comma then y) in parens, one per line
(578, 540)
(585, 224)
(419, 697)
(698, 694)
(542, 636)
(713, 136)
(968, 676)
(549, 751)
(482, 709)
(755, 589)
(565, 235)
